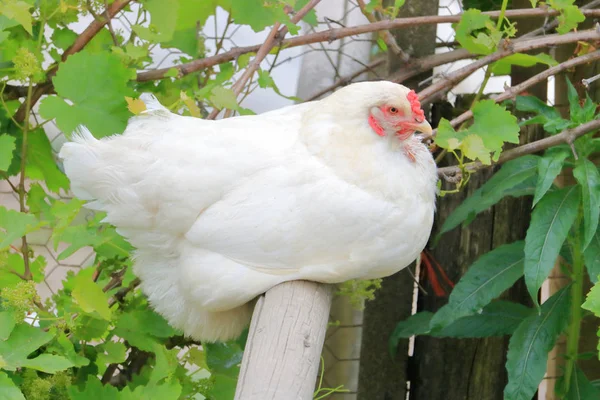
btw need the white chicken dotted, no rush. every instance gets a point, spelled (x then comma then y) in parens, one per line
(221, 211)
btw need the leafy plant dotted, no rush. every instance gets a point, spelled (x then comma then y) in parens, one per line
(564, 221)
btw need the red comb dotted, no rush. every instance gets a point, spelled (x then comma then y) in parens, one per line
(415, 105)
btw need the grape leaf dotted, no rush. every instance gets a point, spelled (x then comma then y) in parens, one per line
(93, 389)
(588, 177)
(486, 279)
(7, 146)
(63, 38)
(224, 98)
(98, 97)
(259, 14)
(49, 363)
(89, 295)
(41, 164)
(15, 224)
(472, 21)
(7, 324)
(551, 221)
(494, 125)
(164, 17)
(18, 11)
(530, 343)
(24, 340)
(549, 167)
(9, 390)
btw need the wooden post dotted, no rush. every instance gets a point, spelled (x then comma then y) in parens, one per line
(283, 351)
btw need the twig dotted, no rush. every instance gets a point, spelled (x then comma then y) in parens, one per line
(385, 35)
(567, 136)
(331, 35)
(586, 82)
(346, 79)
(275, 37)
(521, 87)
(439, 88)
(24, 140)
(554, 23)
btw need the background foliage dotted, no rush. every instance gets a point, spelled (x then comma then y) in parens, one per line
(97, 338)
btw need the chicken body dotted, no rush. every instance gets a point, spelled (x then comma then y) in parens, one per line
(221, 211)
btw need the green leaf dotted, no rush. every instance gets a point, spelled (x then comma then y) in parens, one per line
(8, 389)
(549, 167)
(142, 328)
(116, 352)
(515, 178)
(486, 279)
(18, 11)
(224, 358)
(551, 221)
(23, 340)
(569, 18)
(472, 21)
(68, 350)
(591, 255)
(416, 324)
(535, 105)
(588, 177)
(503, 66)
(7, 146)
(473, 148)
(494, 125)
(93, 389)
(89, 328)
(592, 301)
(41, 164)
(259, 14)
(63, 38)
(224, 98)
(15, 224)
(447, 137)
(581, 388)
(89, 295)
(98, 97)
(48, 363)
(7, 324)
(498, 318)
(529, 346)
(163, 18)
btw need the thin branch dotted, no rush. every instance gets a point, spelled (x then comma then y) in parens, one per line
(439, 88)
(521, 87)
(567, 136)
(385, 35)
(331, 35)
(25, 247)
(274, 39)
(554, 23)
(347, 79)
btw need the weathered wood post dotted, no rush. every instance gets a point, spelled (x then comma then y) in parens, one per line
(283, 351)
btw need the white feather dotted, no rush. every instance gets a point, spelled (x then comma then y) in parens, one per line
(220, 211)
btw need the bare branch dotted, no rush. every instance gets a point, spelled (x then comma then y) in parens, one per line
(439, 88)
(567, 136)
(275, 37)
(331, 35)
(385, 35)
(521, 87)
(347, 79)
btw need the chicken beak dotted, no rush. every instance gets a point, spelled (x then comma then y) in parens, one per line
(424, 128)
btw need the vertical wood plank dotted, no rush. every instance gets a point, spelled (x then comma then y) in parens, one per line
(283, 352)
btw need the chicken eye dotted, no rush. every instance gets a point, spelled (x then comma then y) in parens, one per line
(393, 110)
